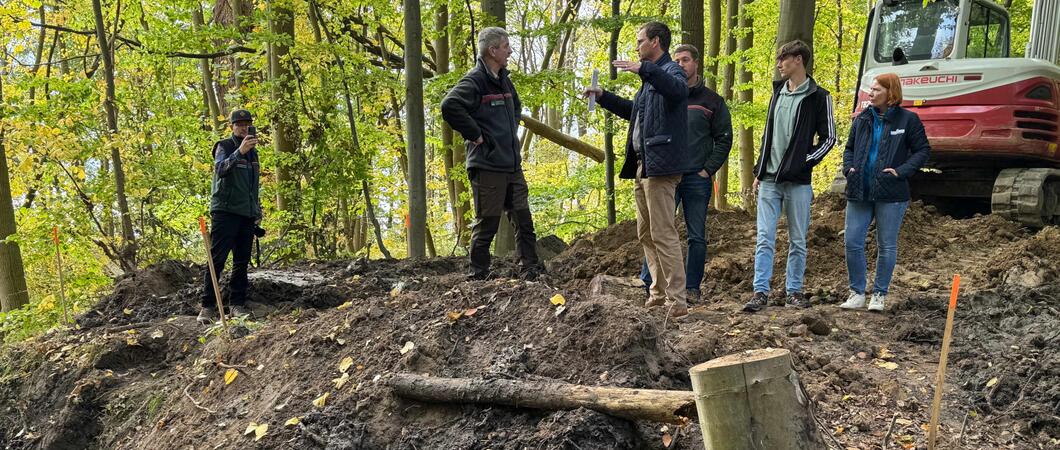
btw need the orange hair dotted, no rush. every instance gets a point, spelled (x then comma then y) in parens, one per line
(893, 85)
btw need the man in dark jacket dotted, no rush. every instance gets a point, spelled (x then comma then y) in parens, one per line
(656, 157)
(798, 111)
(709, 142)
(485, 109)
(235, 211)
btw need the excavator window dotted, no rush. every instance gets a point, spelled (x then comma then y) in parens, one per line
(987, 33)
(921, 31)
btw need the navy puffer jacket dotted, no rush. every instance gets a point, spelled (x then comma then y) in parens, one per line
(903, 147)
(662, 105)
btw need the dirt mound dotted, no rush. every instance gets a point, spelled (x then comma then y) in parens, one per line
(154, 379)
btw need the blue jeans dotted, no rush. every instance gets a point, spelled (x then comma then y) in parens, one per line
(794, 200)
(888, 217)
(694, 193)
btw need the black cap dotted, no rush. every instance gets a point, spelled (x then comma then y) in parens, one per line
(240, 115)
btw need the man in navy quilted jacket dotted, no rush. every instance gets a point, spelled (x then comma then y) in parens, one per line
(656, 158)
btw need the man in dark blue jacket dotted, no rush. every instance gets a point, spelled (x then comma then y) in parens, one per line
(799, 111)
(656, 157)
(235, 211)
(485, 109)
(709, 143)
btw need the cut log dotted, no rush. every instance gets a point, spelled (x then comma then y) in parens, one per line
(754, 400)
(565, 140)
(635, 404)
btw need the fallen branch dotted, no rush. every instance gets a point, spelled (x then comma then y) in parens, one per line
(196, 403)
(567, 141)
(635, 404)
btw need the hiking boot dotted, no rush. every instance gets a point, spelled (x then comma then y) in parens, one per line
(238, 311)
(653, 302)
(694, 296)
(207, 316)
(532, 273)
(855, 301)
(758, 302)
(481, 276)
(876, 303)
(678, 309)
(797, 300)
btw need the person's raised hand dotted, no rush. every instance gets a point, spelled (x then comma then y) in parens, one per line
(248, 144)
(592, 91)
(628, 66)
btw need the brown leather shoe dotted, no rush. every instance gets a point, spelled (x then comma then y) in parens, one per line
(678, 309)
(651, 303)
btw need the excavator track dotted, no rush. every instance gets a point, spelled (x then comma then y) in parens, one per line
(1028, 196)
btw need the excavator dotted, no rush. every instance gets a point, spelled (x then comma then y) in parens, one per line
(992, 119)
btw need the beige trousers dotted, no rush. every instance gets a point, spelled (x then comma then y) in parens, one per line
(657, 232)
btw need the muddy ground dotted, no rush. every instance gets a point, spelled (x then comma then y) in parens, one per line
(138, 372)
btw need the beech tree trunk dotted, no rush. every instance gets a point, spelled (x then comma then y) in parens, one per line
(711, 73)
(13, 292)
(796, 22)
(721, 201)
(692, 26)
(285, 133)
(747, 141)
(414, 121)
(609, 124)
(457, 199)
(208, 92)
(673, 407)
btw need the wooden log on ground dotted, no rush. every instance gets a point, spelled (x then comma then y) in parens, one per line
(754, 400)
(567, 141)
(635, 404)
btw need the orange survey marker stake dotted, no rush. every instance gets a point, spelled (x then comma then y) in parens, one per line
(213, 273)
(940, 378)
(59, 265)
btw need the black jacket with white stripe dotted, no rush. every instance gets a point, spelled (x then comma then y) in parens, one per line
(813, 118)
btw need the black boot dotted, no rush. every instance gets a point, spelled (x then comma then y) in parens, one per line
(526, 244)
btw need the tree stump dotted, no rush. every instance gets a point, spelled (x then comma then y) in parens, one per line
(753, 400)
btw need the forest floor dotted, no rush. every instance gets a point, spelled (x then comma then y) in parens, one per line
(139, 373)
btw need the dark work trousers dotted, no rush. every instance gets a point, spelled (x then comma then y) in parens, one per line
(495, 193)
(229, 233)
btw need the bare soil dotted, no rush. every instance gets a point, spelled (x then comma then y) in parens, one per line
(138, 372)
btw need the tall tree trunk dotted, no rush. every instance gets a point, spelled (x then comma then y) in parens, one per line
(415, 129)
(285, 131)
(128, 248)
(208, 92)
(721, 201)
(38, 54)
(747, 143)
(13, 292)
(609, 124)
(495, 12)
(692, 26)
(796, 22)
(711, 74)
(455, 187)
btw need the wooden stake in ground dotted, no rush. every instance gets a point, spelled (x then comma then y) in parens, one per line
(635, 404)
(940, 377)
(753, 400)
(59, 265)
(213, 273)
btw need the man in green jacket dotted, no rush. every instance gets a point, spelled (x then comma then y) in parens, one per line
(709, 143)
(235, 212)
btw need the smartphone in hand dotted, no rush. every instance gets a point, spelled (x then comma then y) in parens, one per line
(252, 131)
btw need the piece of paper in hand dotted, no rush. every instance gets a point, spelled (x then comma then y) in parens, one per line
(592, 97)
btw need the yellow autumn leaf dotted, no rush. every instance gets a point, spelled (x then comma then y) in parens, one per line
(127, 311)
(408, 347)
(454, 315)
(886, 365)
(131, 341)
(260, 430)
(250, 428)
(292, 422)
(341, 381)
(345, 364)
(320, 401)
(344, 305)
(558, 300)
(992, 382)
(230, 376)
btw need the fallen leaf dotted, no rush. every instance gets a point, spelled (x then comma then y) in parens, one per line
(903, 421)
(847, 397)
(344, 305)
(320, 401)
(884, 353)
(838, 431)
(992, 382)
(398, 288)
(341, 381)
(886, 365)
(470, 312)
(454, 315)
(157, 334)
(292, 422)
(558, 300)
(408, 347)
(250, 428)
(560, 310)
(667, 440)
(260, 430)
(230, 376)
(131, 341)
(345, 364)
(127, 311)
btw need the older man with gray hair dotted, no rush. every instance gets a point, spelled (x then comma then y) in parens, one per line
(485, 109)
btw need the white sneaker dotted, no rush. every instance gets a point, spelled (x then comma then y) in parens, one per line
(855, 301)
(876, 303)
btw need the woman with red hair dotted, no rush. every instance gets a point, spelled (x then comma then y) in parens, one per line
(887, 145)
